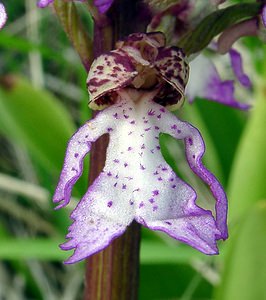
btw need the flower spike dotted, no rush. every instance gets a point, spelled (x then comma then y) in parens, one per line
(136, 182)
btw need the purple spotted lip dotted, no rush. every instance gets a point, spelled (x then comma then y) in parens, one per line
(136, 182)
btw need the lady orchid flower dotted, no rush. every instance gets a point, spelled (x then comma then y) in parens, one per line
(137, 84)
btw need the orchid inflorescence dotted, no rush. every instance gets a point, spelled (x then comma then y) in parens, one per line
(137, 84)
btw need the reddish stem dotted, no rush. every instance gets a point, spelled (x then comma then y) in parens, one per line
(113, 273)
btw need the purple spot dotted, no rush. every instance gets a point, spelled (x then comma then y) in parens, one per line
(146, 121)
(142, 167)
(164, 169)
(86, 136)
(151, 112)
(162, 110)
(151, 200)
(159, 116)
(116, 176)
(73, 169)
(125, 165)
(110, 203)
(156, 127)
(130, 108)
(133, 122)
(140, 154)
(109, 129)
(124, 186)
(126, 116)
(155, 192)
(142, 146)
(117, 69)
(174, 127)
(141, 204)
(136, 190)
(171, 179)
(157, 138)
(130, 132)
(155, 207)
(190, 141)
(129, 148)
(193, 156)
(178, 131)
(115, 184)
(158, 147)
(168, 223)
(152, 151)
(160, 179)
(116, 161)
(173, 186)
(76, 155)
(147, 129)
(115, 115)
(156, 173)
(95, 82)
(109, 174)
(142, 135)
(131, 202)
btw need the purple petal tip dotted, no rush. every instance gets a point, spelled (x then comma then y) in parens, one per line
(103, 5)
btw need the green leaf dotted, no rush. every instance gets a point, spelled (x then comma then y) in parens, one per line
(25, 46)
(214, 24)
(36, 119)
(247, 179)
(223, 126)
(153, 252)
(244, 274)
(42, 249)
(192, 114)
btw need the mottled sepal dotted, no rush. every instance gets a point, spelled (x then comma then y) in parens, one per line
(108, 73)
(142, 62)
(3, 16)
(173, 68)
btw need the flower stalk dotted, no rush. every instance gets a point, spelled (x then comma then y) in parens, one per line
(112, 273)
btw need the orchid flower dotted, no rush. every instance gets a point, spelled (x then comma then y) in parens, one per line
(3, 15)
(136, 85)
(211, 86)
(187, 15)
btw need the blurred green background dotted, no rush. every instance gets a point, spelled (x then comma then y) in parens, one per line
(43, 99)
